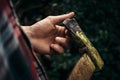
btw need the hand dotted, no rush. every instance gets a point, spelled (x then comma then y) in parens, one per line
(47, 37)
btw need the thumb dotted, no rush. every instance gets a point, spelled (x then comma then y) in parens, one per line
(60, 18)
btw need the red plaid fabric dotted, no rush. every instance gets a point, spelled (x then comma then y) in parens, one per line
(16, 49)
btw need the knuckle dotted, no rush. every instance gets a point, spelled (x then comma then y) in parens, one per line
(50, 17)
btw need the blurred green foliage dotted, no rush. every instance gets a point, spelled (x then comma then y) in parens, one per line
(99, 19)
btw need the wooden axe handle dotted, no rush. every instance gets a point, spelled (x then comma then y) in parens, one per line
(83, 70)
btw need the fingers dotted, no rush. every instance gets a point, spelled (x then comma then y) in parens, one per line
(60, 45)
(59, 18)
(61, 30)
(57, 48)
(62, 41)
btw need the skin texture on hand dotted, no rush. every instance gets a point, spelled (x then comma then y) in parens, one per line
(47, 37)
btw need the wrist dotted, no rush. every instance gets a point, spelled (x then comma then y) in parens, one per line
(28, 31)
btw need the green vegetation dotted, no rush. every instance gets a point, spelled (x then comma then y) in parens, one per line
(99, 19)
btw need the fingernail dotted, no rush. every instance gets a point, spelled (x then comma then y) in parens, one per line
(57, 38)
(72, 12)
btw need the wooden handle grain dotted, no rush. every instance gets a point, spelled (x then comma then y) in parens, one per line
(83, 70)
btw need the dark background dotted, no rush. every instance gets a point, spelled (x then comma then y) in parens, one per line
(99, 19)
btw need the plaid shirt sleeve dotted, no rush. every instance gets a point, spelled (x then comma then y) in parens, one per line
(17, 61)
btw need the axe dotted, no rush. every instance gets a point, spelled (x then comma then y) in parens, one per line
(90, 61)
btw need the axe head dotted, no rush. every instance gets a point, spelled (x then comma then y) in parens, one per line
(83, 42)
